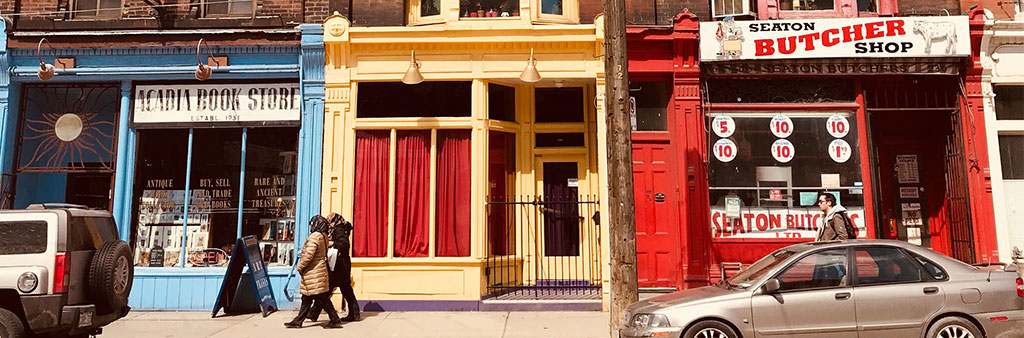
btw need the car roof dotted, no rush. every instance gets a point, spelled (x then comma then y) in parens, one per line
(74, 210)
(919, 250)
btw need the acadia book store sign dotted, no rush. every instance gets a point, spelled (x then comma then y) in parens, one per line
(938, 36)
(256, 103)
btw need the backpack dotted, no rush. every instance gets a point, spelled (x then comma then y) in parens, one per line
(851, 230)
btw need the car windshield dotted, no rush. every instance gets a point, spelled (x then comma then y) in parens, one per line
(746, 277)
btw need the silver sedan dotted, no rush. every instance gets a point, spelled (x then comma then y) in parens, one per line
(848, 289)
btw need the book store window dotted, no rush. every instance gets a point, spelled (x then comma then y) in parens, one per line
(218, 192)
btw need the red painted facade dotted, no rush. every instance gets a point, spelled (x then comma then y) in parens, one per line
(681, 152)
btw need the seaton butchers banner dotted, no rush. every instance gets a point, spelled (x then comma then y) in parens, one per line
(217, 103)
(776, 223)
(835, 38)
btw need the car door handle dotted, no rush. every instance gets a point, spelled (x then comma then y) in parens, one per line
(931, 290)
(842, 296)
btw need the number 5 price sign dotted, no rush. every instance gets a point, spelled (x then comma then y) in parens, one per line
(838, 126)
(782, 126)
(724, 126)
(725, 150)
(783, 151)
(840, 151)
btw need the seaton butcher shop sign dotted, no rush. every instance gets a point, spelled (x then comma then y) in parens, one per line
(212, 104)
(835, 38)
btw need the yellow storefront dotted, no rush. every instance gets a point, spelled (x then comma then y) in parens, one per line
(482, 182)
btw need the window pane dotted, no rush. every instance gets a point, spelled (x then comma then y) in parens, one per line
(430, 7)
(86, 8)
(110, 8)
(501, 102)
(1010, 149)
(241, 7)
(27, 237)
(885, 265)
(269, 205)
(931, 268)
(412, 193)
(1009, 102)
(769, 198)
(216, 8)
(651, 105)
(867, 5)
(806, 5)
(501, 176)
(551, 7)
(427, 99)
(558, 104)
(454, 177)
(370, 211)
(821, 270)
(488, 8)
(213, 196)
(159, 192)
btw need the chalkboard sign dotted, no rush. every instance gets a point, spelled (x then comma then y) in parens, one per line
(237, 292)
(156, 256)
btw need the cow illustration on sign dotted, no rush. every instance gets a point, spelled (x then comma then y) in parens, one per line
(932, 31)
(730, 38)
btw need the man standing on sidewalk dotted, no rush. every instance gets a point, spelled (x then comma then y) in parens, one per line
(835, 226)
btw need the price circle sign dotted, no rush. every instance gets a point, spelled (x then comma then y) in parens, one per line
(724, 126)
(725, 150)
(839, 150)
(783, 151)
(838, 126)
(781, 126)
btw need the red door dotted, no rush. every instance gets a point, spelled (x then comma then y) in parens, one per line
(657, 212)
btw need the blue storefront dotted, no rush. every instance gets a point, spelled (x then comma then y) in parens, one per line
(185, 166)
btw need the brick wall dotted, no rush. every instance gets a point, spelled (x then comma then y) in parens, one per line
(589, 9)
(280, 12)
(378, 12)
(662, 12)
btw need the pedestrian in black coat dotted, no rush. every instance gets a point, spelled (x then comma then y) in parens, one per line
(341, 276)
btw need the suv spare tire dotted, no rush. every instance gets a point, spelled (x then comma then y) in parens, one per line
(110, 276)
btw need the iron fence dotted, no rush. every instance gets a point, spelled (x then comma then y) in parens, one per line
(543, 247)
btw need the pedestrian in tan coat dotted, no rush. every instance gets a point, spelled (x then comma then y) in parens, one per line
(312, 266)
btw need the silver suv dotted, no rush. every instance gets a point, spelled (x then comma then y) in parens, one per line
(63, 271)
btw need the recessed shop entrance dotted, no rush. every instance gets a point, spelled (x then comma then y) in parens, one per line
(919, 164)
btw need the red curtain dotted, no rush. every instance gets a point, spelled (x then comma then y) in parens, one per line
(370, 212)
(453, 193)
(412, 194)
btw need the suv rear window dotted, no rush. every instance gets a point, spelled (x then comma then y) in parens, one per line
(89, 233)
(27, 237)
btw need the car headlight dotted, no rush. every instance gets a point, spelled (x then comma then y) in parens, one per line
(28, 282)
(642, 320)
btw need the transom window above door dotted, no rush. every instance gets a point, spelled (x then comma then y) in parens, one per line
(548, 11)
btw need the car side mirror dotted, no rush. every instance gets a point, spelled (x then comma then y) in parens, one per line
(772, 286)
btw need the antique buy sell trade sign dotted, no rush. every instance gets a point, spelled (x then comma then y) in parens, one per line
(835, 38)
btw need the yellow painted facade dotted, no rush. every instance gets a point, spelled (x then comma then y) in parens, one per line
(484, 52)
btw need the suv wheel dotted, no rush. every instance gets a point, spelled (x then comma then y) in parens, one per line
(10, 325)
(110, 276)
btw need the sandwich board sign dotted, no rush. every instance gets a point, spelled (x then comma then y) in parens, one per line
(246, 291)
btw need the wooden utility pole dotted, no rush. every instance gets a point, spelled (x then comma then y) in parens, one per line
(621, 220)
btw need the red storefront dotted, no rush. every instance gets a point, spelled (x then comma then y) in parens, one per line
(780, 110)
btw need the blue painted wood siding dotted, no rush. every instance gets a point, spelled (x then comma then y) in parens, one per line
(196, 288)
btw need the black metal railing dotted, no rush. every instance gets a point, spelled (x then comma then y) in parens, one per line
(543, 247)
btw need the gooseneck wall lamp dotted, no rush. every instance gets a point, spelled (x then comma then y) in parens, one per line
(413, 76)
(204, 71)
(46, 70)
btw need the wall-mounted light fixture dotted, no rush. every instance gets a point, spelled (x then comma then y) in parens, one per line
(530, 74)
(413, 76)
(46, 70)
(203, 71)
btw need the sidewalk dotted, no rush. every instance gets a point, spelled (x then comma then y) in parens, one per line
(374, 324)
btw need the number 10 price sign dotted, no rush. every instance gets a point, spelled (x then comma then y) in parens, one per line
(783, 151)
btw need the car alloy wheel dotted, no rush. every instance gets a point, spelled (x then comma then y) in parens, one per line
(121, 277)
(711, 333)
(955, 331)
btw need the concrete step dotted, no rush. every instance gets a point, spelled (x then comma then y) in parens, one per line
(541, 305)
